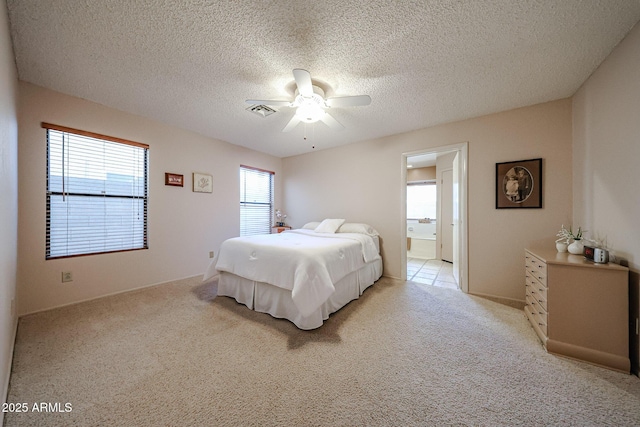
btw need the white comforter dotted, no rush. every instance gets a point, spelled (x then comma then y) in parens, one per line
(303, 261)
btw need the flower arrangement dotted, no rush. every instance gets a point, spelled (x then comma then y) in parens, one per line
(280, 217)
(565, 236)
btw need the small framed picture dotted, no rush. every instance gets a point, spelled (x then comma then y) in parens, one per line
(174, 179)
(202, 183)
(519, 184)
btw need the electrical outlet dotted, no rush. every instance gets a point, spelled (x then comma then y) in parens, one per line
(67, 276)
(211, 253)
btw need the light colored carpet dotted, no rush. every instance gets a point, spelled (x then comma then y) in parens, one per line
(404, 354)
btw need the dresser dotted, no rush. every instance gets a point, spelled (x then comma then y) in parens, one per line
(579, 309)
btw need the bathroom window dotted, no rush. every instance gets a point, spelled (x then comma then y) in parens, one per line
(421, 200)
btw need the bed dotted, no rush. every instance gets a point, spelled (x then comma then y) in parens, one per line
(302, 275)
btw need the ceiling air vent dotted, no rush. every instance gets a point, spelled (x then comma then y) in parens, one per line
(261, 110)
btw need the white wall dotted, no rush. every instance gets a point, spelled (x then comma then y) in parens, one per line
(183, 226)
(363, 182)
(9, 204)
(421, 174)
(606, 146)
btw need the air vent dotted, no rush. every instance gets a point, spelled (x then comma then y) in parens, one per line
(261, 110)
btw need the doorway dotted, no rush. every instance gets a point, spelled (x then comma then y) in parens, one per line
(449, 267)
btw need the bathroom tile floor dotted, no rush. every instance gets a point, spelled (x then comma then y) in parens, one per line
(431, 272)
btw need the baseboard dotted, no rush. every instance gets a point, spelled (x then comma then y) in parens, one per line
(151, 285)
(589, 355)
(5, 390)
(501, 300)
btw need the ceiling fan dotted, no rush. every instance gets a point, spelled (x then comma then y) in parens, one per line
(310, 103)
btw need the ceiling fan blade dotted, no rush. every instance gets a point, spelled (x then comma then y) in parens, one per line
(349, 101)
(303, 81)
(269, 102)
(292, 123)
(328, 120)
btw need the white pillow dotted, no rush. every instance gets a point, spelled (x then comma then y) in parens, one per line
(354, 227)
(311, 225)
(329, 225)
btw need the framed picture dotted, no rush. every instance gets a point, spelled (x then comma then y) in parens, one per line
(174, 179)
(202, 183)
(519, 184)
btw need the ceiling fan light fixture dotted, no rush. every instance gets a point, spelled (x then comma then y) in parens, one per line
(310, 103)
(310, 113)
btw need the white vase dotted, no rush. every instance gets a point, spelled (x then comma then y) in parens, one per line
(561, 246)
(576, 247)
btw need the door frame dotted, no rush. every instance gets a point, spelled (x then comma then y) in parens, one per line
(462, 149)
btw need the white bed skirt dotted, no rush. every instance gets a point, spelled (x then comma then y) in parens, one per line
(277, 302)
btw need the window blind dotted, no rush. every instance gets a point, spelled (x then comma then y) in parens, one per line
(97, 193)
(256, 201)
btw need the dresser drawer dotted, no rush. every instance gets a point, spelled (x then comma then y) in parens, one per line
(542, 323)
(541, 297)
(528, 289)
(536, 267)
(539, 324)
(539, 310)
(529, 264)
(536, 293)
(537, 289)
(530, 303)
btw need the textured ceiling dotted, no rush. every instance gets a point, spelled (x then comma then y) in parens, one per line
(192, 64)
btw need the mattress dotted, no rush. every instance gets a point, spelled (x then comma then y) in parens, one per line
(265, 298)
(300, 275)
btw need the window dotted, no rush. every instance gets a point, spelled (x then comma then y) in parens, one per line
(96, 193)
(256, 201)
(421, 200)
